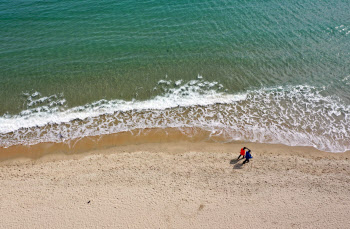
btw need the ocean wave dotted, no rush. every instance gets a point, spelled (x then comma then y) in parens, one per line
(292, 115)
(192, 93)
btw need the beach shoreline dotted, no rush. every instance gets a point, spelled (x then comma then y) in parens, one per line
(178, 185)
(131, 139)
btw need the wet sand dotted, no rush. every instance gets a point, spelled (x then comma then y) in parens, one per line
(178, 185)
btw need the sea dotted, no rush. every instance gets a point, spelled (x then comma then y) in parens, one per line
(259, 71)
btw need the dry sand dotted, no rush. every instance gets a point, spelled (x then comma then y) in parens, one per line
(178, 185)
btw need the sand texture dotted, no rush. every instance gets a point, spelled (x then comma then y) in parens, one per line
(178, 185)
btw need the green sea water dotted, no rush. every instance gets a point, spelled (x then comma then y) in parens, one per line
(85, 51)
(91, 50)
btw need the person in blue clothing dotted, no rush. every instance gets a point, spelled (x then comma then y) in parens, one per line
(247, 156)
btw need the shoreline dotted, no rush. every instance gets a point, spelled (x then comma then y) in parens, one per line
(130, 139)
(168, 147)
(178, 185)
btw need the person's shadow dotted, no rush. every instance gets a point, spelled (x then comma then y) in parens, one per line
(235, 164)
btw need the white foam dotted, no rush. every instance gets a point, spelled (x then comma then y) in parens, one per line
(179, 82)
(347, 80)
(167, 82)
(343, 29)
(189, 94)
(295, 115)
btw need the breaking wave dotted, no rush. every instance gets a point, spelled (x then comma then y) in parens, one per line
(292, 115)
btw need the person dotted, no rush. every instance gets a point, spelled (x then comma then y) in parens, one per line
(247, 157)
(242, 153)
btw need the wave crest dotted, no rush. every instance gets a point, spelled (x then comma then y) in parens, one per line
(294, 115)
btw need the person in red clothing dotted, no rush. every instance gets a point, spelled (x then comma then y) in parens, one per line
(242, 153)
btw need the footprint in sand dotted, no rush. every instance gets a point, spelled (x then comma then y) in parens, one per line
(189, 209)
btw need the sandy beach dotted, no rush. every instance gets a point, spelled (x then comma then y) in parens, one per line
(178, 185)
(132, 114)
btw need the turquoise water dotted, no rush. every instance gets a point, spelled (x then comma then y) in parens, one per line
(67, 60)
